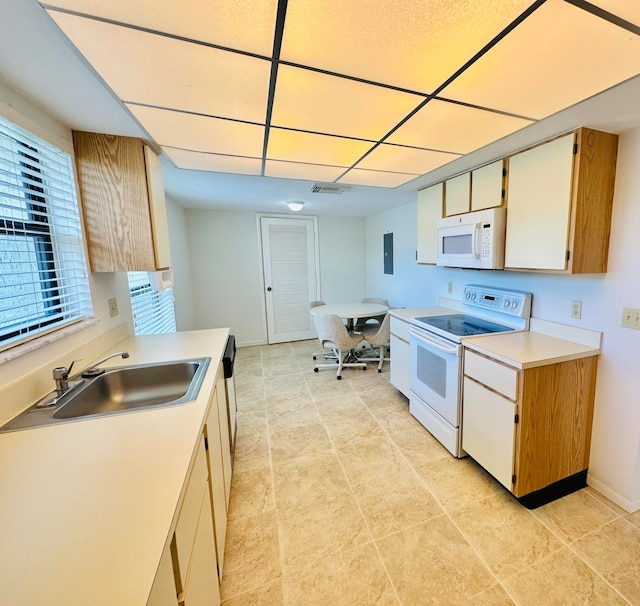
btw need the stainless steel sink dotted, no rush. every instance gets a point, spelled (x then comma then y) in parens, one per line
(119, 390)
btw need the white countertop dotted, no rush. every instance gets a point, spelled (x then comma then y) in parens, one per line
(86, 506)
(528, 349)
(409, 313)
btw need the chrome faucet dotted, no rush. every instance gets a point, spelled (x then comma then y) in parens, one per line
(61, 373)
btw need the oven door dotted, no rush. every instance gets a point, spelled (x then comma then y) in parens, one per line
(435, 373)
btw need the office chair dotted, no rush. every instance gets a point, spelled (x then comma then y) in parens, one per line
(333, 336)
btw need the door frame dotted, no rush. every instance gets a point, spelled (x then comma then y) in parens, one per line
(263, 302)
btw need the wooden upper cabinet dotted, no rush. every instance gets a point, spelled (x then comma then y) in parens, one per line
(457, 194)
(430, 200)
(488, 186)
(560, 197)
(123, 202)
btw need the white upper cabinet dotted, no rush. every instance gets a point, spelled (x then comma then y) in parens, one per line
(430, 202)
(457, 194)
(560, 197)
(487, 186)
(539, 205)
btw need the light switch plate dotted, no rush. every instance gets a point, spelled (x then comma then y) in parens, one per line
(631, 317)
(113, 307)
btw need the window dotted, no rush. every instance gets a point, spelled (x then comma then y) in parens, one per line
(43, 274)
(153, 310)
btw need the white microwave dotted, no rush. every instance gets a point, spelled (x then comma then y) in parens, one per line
(473, 240)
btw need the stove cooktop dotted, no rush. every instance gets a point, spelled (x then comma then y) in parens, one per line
(463, 325)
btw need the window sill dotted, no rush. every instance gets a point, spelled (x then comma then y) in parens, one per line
(20, 349)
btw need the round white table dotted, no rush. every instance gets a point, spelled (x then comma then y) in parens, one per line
(351, 311)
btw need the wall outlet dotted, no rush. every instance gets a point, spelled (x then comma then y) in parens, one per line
(631, 317)
(576, 310)
(450, 287)
(113, 307)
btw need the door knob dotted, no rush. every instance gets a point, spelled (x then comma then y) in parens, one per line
(269, 288)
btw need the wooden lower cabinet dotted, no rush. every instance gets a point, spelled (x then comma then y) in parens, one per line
(531, 428)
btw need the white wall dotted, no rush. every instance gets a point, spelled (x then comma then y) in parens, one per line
(616, 428)
(224, 252)
(181, 265)
(103, 286)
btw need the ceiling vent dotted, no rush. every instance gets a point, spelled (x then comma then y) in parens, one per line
(319, 188)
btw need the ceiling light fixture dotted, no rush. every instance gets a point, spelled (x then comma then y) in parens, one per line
(295, 206)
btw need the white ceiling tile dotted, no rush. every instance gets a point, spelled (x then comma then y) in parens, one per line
(314, 149)
(375, 178)
(155, 70)
(414, 44)
(241, 24)
(558, 56)
(318, 102)
(199, 133)
(405, 159)
(298, 170)
(451, 127)
(214, 162)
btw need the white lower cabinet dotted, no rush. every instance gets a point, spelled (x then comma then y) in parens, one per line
(399, 375)
(187, 572)
(190, 570)
(489, 430)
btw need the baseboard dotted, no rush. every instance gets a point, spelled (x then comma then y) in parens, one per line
(612, 495)
(250, 343)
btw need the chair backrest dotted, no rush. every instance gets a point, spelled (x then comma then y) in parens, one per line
(383, 335)
(375, 300)
(331, 329)
(316, 304)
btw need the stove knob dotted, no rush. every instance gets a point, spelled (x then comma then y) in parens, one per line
(467, 295)
(514, 304)
(506, 302)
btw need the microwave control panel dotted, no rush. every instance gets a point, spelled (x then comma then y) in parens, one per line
(487, 235)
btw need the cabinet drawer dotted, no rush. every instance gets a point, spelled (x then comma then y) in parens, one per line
(494, 375)
(190, 512)
(400, 328)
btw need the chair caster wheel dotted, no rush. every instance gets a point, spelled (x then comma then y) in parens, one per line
(314, 357)
(364, 368)
(339, 378)
(316, 369)
(379, 369)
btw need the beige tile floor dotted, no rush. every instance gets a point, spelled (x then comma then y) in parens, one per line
(339, 497)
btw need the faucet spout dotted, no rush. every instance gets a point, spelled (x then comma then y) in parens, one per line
(61, 373)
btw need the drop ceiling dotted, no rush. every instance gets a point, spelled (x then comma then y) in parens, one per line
(385, 95)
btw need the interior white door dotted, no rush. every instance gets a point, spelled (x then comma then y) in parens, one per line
(290, 277)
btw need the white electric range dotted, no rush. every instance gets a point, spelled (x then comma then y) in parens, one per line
(436, 355)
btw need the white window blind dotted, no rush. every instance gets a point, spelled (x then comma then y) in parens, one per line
(153, 310)
(43, 274)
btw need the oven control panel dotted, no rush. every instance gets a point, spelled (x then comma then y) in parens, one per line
(509, 302)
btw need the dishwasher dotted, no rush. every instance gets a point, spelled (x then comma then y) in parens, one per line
(228, 360)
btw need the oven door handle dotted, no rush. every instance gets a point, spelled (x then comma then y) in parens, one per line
(420, 336)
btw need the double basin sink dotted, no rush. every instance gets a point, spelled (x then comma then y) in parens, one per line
(118, 390)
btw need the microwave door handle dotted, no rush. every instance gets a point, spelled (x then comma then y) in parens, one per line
(474, 240)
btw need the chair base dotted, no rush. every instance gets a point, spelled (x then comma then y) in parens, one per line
(341, 361)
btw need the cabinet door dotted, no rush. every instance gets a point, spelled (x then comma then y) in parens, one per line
(216, 474)
(202, 585)
(539, 195)
(487, 186)
(225, 435)
(113, 189)
(400, 365)
(488, 430)
(158, 210)
(163, 592)
(457, 194)
(429, 211)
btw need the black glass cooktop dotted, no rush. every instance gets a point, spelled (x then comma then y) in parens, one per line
(463, 325)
